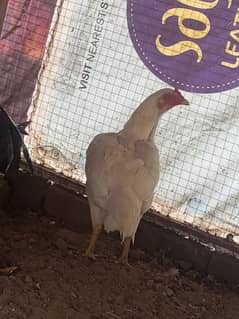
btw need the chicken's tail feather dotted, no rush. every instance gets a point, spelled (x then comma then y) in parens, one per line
(123, 213)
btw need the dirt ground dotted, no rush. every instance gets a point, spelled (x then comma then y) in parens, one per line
(54, 280)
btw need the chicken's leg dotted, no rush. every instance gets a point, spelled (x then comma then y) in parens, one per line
(95, 235)
(124, 257)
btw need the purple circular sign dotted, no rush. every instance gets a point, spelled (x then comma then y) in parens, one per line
(190, 44)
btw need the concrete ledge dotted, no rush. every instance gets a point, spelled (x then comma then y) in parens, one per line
(224, 267)
(153, 238)
(27, 192)
(68, 208)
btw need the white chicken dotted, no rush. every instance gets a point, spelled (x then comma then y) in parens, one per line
(122, 171)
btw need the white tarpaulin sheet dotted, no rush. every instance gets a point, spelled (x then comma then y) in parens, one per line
(91, 82)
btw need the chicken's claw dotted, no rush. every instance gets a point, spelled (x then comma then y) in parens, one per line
(90, 255)
(8, 270)
(95, 234)
(124, 262)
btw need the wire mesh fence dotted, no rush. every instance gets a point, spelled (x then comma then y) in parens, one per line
(92, 79)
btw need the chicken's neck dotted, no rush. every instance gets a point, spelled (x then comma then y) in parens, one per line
(141, 125)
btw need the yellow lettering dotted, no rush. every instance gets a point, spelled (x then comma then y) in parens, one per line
(236, 19)
(231, 65)
(233, 50)
(179, 48)
(184, 14)
(235, 35)
(199, 3)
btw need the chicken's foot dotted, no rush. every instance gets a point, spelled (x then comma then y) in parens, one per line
(91, 248)
(124, 257)
(8, 270)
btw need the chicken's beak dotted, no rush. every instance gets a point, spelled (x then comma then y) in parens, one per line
(185, 102)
